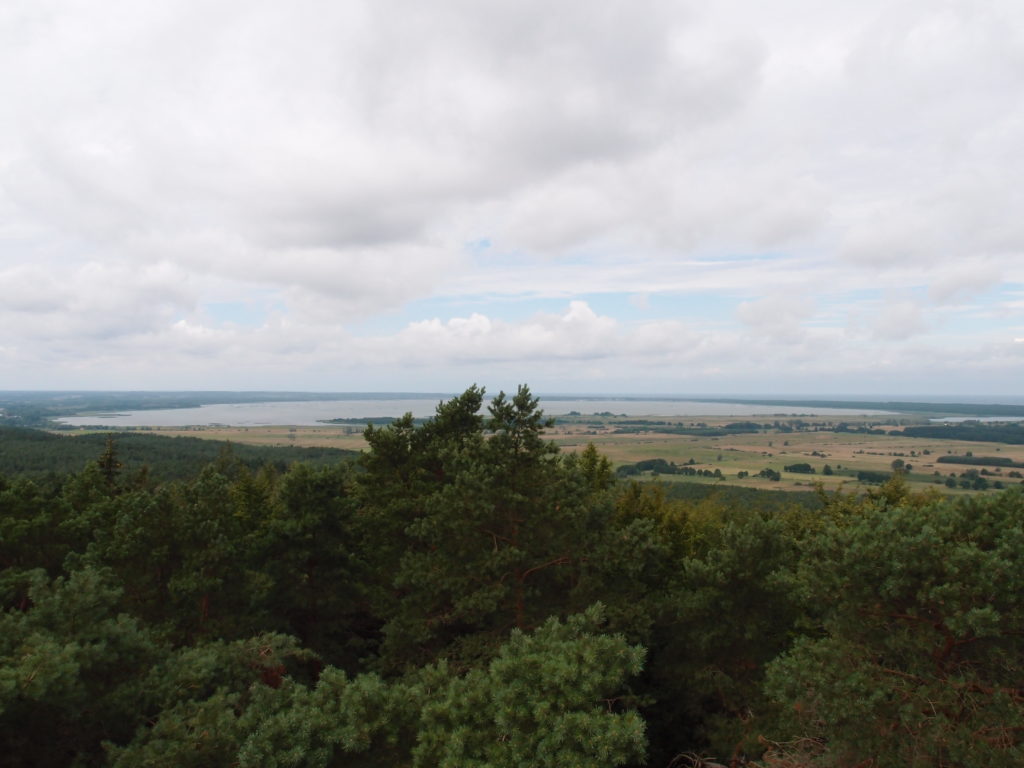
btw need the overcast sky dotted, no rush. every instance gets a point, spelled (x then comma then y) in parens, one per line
(645, 197)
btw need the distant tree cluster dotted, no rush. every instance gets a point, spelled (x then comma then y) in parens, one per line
(664, 467)
(873, 476)
(801, 468)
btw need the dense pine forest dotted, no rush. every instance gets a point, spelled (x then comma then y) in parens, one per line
(463, 594)
(43, 455)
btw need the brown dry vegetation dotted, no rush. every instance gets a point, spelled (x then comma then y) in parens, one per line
(847, 453)
(347, 438)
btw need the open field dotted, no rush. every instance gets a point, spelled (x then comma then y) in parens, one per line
(328, 436)
(846, 452)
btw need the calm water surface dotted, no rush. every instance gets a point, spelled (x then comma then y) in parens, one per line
(315, 412)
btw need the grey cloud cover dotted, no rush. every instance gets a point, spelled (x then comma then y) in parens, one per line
(839, 176)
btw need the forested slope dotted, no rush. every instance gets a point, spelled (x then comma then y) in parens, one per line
(33, 452)
(467, 596)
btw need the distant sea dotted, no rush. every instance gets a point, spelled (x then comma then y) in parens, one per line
(315, 412)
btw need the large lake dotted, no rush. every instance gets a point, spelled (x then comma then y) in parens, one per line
(984, 419)
(315, 412)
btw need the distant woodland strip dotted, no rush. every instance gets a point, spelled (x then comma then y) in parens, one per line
(980, 461)
(34, 453)
(1009, 434)
(951, 409)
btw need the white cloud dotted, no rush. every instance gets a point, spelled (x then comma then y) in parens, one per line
(331, 162)
(963, 281)
(775, 315)
(577, 334)
(899, 320)
(91, 301)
